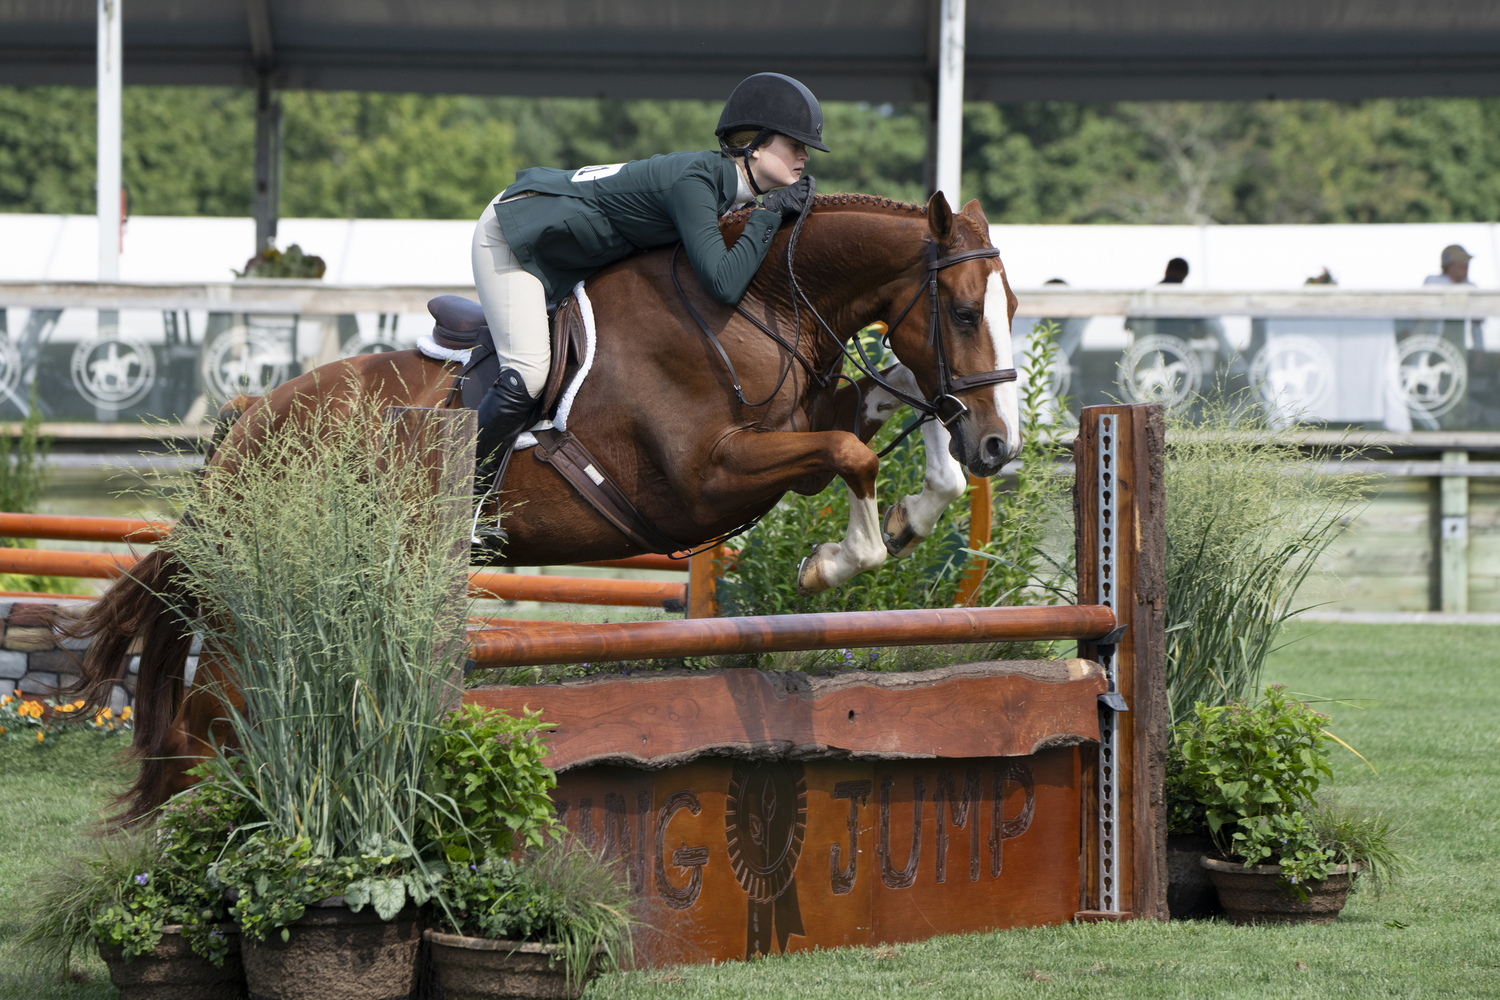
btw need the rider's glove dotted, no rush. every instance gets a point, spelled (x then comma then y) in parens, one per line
(789, 200)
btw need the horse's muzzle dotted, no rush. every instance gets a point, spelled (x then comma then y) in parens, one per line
(982, 453)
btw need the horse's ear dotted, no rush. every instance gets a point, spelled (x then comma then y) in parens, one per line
(975, 212)
(939, 218)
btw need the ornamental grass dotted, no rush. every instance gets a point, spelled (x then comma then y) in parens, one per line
(329, 572)
(1249, 513)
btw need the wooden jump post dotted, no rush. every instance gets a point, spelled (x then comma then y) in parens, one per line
(1119, 507)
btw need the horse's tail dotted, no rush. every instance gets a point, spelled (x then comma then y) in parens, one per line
(149, 610)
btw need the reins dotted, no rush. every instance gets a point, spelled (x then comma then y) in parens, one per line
(945, 407)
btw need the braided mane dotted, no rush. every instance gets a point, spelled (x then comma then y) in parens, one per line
(854, 201)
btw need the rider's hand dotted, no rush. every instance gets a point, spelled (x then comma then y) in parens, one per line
(788, 201)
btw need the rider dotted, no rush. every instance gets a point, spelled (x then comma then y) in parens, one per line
(553, 228)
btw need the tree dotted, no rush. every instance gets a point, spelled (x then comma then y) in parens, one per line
(189, 151)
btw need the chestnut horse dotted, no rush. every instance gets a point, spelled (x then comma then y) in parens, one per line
(659, 411)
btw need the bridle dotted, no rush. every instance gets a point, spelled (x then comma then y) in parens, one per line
(945, 406)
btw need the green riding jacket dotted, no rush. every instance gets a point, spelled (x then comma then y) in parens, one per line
(584, 219)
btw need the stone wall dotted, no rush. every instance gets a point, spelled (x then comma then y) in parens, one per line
(35, 660)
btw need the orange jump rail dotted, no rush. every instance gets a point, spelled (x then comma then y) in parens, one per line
(564, 642)
(482, 583)
(123, 529)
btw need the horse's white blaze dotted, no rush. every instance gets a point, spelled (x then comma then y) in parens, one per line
(1007, 395)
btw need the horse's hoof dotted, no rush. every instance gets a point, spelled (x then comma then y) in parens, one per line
(897, 533)
(809, 574)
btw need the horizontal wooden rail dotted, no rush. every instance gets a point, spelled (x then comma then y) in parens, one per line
(482, 583)
(46, 562)
(56, 527)
(82, 529)
(576, 643)
(577, 590)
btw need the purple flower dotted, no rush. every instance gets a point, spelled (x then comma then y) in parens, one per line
(142, 878)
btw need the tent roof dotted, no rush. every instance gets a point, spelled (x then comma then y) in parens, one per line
(1077, 50)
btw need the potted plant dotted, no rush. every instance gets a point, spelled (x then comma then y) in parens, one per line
(143, 896)
(1254, 772)
(540, 926)
(328, 577)
(537, 927)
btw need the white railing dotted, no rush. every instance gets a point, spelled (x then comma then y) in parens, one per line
(1158, 301)
(254, 295)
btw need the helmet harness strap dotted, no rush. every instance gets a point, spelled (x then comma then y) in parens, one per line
(743, 152)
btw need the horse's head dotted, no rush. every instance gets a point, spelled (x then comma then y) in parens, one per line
(975, 306)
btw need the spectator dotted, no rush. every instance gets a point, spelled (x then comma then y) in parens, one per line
(1455, 267)
(1177, 269)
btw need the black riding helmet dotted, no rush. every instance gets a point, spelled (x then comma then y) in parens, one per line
(772, 103)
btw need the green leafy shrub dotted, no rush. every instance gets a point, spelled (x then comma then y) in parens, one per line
(490, 765)
(558, 894)
(1255, 771)
(275, 879)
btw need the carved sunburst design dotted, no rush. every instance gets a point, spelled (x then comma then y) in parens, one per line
(765, 818)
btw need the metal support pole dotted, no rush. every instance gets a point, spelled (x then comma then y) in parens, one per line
(950, 100)
(107, 193)
(267, 196)
(1453, 537)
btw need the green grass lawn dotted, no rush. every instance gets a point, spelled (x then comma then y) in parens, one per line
(1431, 726)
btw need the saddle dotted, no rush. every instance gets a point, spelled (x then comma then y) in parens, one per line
(461, 326)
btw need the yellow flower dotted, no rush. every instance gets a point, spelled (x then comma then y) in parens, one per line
(6, 701)
(39, 736)
(126, 713)
(78, 704)
(106, 713)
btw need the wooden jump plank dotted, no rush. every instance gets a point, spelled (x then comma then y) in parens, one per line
(997, 709)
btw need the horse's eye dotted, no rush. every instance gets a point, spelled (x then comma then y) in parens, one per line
(964, 317)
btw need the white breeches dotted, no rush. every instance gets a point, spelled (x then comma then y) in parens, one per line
(514, 304)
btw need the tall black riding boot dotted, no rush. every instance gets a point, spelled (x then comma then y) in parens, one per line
(506, 410)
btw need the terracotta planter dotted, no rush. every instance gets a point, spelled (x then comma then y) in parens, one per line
(336, 954)
(173, 971)
(484, 969)
(1190, 894)
(1258, 895)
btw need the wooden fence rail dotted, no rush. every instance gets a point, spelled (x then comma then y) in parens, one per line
(566, 642)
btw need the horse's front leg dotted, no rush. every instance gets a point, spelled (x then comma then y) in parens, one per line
(912, 519)
(751, 464)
